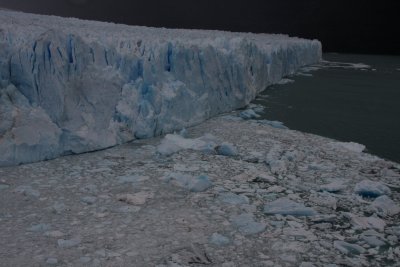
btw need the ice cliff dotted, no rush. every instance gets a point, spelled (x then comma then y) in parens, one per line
(71, 86)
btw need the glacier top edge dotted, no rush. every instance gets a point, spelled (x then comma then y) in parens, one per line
(33, 24)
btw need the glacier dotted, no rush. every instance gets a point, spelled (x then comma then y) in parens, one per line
(71, 86)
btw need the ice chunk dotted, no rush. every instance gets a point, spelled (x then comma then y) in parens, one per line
(285, 206)
(384, 206)
(373, 241)
(219, 240)
(192, 183)
(138, 198)
(183, 133)
(299, 233)
(365, 222)
(367, 188)
(42, 227)
(173, 143)
(248, 114)
(285, 81)
(62, 243)
(247, 225)
(333, 187)
(324, 199)
(27, 190)
(233, 199)
(132, 178)
(227, 149)
(275, 124)
(351, 146)
(200, 184)
(347, 248)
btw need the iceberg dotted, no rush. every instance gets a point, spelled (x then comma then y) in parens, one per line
(70, 86)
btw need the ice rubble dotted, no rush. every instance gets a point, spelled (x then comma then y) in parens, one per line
(71, 86)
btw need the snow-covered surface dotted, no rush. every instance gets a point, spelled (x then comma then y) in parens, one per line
(286, 199)
(70, 86)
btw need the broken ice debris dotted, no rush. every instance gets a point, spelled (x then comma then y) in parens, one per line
(246, 224)
(89, 200)
(173, 143)
(274, 124)
(233, 199)
(384, 206)
(373, 240)
(285, 81)
(365, 222)
(4, 186)
(219, 240)
(227, 149)
(367, 188)
(42, 227)
(192, 183)
(62, 243)
(132, 178)
(139, 198)
(248, 114)
(27, 190)
(333, 187)
(351, 146)
(285, 206)
(347, 248)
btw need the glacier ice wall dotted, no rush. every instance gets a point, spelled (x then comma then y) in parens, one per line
(71, 86)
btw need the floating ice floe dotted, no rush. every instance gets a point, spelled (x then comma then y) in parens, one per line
(285, 206)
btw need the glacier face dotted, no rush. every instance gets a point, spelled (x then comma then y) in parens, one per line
(72, 86)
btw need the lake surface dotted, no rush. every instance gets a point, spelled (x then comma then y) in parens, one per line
(347, 102)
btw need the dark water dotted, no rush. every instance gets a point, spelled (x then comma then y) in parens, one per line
(343, 102)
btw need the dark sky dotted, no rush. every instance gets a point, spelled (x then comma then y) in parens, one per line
(351, 26)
